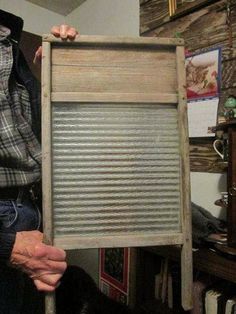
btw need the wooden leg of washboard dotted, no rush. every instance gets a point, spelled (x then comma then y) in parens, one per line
(50, 303)
(186, 275)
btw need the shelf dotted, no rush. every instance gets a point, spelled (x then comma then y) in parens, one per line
(224, 126)
(204, 260)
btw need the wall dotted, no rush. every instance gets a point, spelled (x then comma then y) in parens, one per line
(206, 189)
(37, 20)
(103, 17)
(107, 17)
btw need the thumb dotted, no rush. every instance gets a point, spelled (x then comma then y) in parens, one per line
(38, 56)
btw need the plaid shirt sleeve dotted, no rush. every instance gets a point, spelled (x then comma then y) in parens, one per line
(20, 151)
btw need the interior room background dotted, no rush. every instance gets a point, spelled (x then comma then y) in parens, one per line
(119, 18)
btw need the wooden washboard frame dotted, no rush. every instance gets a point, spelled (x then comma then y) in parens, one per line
(128, 81)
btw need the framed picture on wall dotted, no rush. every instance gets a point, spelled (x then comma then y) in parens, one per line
(183, 7)
(114, 273)
(203, 74)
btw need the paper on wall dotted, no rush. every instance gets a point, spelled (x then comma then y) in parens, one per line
(202, 114)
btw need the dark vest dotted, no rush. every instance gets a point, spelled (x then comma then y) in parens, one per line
(22, 70)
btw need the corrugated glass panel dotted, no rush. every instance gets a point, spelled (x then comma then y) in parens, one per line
(116, 169)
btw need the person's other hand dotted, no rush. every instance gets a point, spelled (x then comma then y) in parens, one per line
(64, 32)
(43, 263)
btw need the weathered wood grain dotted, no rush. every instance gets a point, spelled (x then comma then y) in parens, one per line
(50, 304)
(202, 155)
(186, 254)
(229, 73)
(117, 71)
(152, 14)
(143, 1)
(205, 28)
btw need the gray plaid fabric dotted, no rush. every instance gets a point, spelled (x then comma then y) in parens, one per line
(20, 152)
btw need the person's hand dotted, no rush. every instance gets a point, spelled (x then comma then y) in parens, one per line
(43, 263)
(64, 32)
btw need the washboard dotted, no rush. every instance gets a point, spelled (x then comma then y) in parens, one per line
(115, 146)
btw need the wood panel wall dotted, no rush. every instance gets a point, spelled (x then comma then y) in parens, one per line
(213, 25)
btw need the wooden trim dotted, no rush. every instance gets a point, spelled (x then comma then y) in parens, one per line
(50, 305)
(110, 41)
(132, 284)
(231, 183)
(46, 144)
(186, 254)
(72, 242)
(114, 97)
